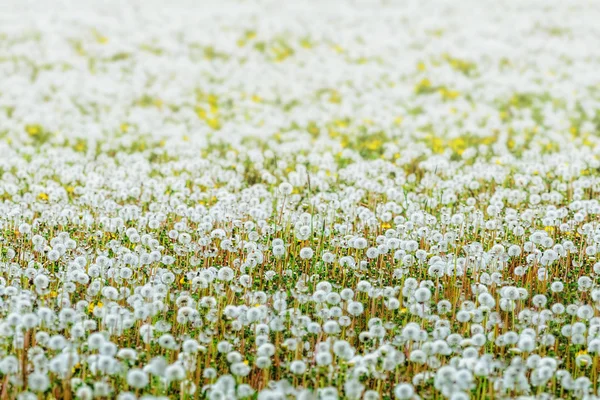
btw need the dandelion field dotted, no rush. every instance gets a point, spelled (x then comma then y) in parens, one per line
(312, 200)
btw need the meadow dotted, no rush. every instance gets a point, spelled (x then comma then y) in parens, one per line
(299, 200)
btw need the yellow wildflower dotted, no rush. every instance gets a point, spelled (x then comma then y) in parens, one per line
(33, 130)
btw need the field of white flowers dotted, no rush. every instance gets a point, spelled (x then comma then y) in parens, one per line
(327, 199)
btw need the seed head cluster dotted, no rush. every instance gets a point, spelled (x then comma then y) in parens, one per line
(299, 200)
